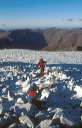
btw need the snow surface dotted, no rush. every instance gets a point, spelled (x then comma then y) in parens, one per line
(61, 84)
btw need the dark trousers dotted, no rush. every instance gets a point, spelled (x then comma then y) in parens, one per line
(42, 71)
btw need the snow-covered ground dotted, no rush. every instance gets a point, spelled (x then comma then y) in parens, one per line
(60, 87)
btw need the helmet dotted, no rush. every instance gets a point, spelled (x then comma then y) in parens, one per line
(33, 85)
(41, 59)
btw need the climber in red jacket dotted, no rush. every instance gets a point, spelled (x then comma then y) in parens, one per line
(31, 93)
(41, 64)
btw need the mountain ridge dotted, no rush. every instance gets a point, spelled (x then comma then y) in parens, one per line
(49, 39)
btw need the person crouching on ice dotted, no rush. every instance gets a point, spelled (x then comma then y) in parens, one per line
(32, 94)
(41, 64)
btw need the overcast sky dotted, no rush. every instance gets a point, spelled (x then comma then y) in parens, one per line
(40, 13)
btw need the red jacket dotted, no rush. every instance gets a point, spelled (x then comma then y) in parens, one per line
(42, 64)
(31, 92)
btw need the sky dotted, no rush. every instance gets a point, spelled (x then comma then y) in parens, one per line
(40, 13)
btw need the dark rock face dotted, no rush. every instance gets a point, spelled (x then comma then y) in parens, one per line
(50, 39)
(79, 48)
(26, 39)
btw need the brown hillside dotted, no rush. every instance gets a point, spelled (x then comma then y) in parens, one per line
(63, 39)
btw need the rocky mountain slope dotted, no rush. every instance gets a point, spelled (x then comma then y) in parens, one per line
(50, 39)
(59, 98)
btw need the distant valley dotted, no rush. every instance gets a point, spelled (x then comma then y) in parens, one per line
(50, 39)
